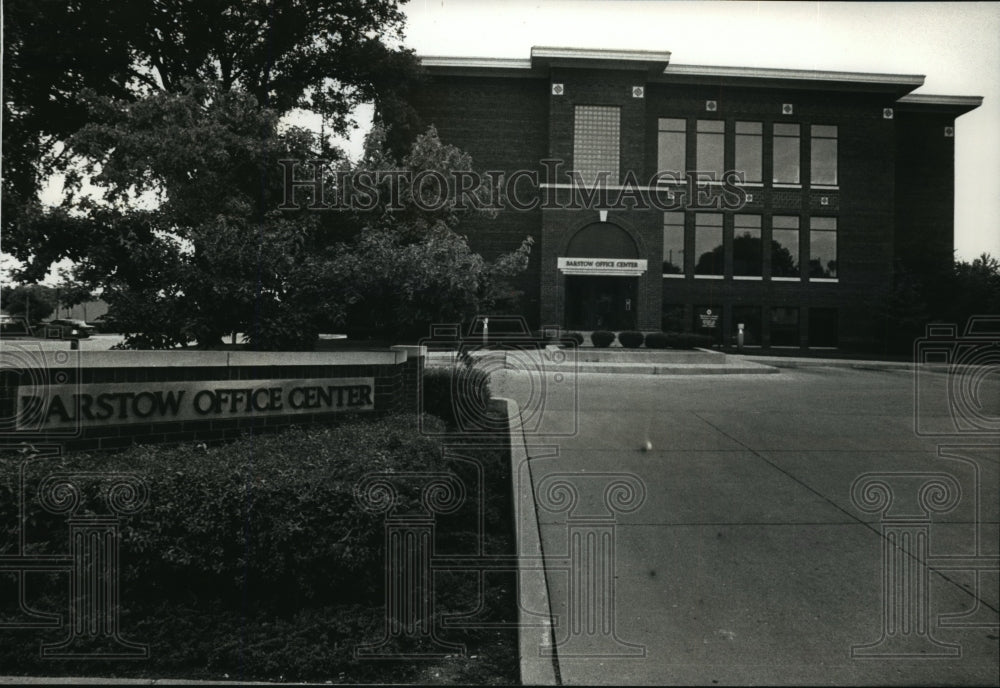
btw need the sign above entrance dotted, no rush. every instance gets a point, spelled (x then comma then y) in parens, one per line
(627, 267)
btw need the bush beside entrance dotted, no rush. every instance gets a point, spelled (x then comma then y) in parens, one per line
(602, 338)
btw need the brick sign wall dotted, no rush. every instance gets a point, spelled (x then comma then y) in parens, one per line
(107, 400)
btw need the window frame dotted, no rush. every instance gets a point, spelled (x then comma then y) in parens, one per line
(797, 157)
(813, 138)
(755, 138)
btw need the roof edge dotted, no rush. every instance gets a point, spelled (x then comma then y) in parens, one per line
(913, 80)
(956, 105)
(658, 68)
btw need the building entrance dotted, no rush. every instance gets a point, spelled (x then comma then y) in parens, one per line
(601, 302)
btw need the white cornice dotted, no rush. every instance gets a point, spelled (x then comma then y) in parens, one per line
(933, 99)
(551, 53)
(793, 74)
(475, 62)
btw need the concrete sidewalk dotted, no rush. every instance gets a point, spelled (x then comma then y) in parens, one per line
(747, 560)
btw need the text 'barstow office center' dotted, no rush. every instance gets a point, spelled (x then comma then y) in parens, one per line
(775, 198)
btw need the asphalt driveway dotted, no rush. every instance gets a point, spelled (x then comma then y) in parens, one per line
(733, 551)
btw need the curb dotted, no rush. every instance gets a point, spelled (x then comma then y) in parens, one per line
(780, 362)
(680, 369)
(533, 590)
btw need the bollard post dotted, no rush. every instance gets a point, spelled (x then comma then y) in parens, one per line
(486, 331)
(739, 338)
(74, 344)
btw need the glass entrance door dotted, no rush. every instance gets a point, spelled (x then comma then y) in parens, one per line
(601, 302)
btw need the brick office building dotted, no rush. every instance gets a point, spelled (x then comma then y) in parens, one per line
(840, 175)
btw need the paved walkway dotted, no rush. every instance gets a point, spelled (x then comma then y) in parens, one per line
(748, 562)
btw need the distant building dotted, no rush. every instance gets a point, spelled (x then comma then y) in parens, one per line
(83, 311)
(842, 175)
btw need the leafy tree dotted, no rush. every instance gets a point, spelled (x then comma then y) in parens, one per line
(61, 57)
(974, 290)
(33, 302)
(181, 134)
(327, 55)
(408, 266)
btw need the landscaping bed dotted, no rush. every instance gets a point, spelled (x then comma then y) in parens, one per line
(253, 561)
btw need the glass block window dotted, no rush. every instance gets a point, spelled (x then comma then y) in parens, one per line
(785, 326)
(748, 249)
(673, 243)
(749, 147)
(708, 247)
(596, 142)
(823, 247)
(823, 168)
(785, 246)
(711, 146)
(786, 154)
(672, 146)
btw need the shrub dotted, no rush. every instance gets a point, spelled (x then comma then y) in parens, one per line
(269, 518)
(657, 340)
(461, 386)
(631, 339)
(571, 339)
(602, 338)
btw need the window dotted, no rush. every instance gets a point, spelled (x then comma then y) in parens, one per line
(823, 327)
(711, 146)
(596, 142)
(708, 244)
(824, 155)
(748, 249)
(749, 137)
(672, 146)
(749, 316)
(786, 154)
(823, 247)
(673, 243)
(785, 246)
(784, 326)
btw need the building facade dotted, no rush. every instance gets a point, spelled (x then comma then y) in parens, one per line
(690, 198)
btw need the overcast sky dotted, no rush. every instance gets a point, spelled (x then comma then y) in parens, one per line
(955, 45)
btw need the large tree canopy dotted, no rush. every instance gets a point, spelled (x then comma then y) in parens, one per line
(324, 55)
(171, 111)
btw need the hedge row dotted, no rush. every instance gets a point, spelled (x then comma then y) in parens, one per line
(255, 556)
(633, 339)
(272, 515)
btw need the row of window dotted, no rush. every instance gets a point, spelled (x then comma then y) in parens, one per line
(783, 324)
(748, 150)
(597, 144)
(786, 243)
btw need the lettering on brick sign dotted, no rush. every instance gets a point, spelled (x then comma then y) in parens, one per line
(55, 406)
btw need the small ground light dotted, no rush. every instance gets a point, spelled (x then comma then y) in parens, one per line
(648, 446)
